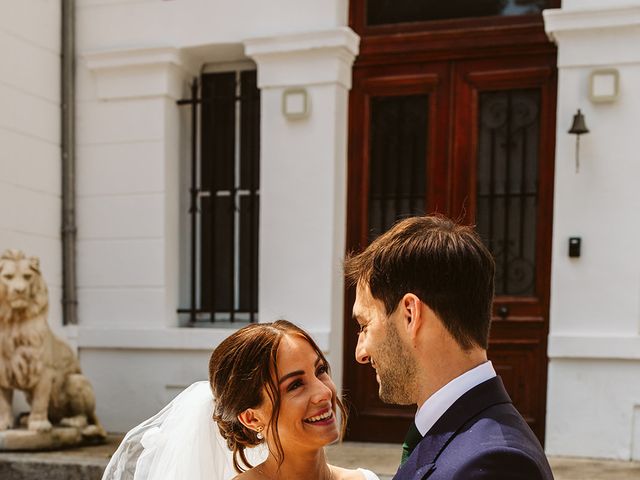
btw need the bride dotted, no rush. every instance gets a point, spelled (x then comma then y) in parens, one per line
(275, 407)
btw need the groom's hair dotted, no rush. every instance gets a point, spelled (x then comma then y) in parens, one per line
(443, 263)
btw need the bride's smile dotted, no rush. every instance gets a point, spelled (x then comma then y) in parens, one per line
(307, 397)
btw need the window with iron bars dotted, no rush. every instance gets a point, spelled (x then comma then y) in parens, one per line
(224, 199)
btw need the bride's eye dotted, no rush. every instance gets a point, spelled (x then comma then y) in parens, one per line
(294, 385)
(322, 369)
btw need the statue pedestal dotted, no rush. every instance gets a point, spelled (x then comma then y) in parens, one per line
(59, 437)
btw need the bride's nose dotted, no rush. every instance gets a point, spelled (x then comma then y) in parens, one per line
(321, 392)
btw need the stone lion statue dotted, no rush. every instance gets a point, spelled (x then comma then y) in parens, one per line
(34, 360)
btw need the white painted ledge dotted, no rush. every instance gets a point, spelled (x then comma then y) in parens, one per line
(140, 72)
(594, 347)
(589, 38)
(309, 58)
(138, 57)
(559, 20)
(164, 338)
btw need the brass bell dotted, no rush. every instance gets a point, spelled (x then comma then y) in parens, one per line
(579, 126)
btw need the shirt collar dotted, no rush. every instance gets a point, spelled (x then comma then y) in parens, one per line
(438, 403)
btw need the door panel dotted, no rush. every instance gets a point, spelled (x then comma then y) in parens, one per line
(505, 187)
(397, 167)
(488, 160)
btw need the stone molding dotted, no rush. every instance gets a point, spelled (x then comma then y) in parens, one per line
(558, 21)
(140, 72)
(600, 347)
(309, 58)
(595, 37)
(175, 338)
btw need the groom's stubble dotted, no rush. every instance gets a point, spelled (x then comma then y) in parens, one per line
(396, 368)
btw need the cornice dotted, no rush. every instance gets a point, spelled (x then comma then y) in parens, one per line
(140, 72)
(139, 57)
(559, 21)
(308, 58)
(342, 37)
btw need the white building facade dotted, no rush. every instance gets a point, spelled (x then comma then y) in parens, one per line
(137, 59)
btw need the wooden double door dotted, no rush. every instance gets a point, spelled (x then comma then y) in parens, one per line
(471, 137)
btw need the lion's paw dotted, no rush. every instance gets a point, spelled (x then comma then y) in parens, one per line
(39, 425)
(79, 421)
(94, 431)
(6, 422)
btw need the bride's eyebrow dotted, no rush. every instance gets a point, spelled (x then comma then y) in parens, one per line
(297, 372)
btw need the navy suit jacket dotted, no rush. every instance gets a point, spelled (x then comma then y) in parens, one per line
(481, 436)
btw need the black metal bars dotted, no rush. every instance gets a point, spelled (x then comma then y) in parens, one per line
(224, 195)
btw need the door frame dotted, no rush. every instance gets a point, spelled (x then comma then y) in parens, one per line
(407, 54)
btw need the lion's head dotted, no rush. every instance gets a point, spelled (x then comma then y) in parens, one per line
(22, 284)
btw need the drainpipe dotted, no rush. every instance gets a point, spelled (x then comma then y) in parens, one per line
(68, 110)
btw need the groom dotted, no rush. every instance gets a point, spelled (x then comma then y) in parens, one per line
(423, 302)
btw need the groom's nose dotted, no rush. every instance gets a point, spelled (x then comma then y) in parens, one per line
(361, 352)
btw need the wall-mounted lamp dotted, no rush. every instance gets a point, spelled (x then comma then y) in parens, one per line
(578, 128)
(604, 85)
(295, 103)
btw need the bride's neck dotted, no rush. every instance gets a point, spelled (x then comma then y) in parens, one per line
(311, 465)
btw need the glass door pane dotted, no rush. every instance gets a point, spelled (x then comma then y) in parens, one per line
(507, 185)
(398, 150)
(384, 12)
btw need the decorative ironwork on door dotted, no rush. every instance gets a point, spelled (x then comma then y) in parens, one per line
(507, 185)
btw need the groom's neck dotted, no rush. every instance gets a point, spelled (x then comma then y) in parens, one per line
(442, 368)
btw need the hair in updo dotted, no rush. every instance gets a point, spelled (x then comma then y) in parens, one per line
(240, 369)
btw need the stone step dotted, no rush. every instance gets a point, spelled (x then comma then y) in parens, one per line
(83, 463)
(17, 466)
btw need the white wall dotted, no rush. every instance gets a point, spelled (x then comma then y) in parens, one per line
(594, 345)
(118, 24)
(30, 172)
(135, 59)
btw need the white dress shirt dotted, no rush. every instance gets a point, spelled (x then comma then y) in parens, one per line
(438, 403)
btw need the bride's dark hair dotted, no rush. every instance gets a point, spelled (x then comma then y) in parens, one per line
(240, 369)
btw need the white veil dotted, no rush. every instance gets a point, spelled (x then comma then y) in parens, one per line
(180, 442)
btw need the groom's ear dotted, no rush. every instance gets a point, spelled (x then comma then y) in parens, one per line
(412, 313)
(250, 420)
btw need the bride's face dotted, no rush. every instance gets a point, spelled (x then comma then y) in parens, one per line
(307, 417)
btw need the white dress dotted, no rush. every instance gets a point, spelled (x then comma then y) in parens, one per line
(181, 442)
(368, 474)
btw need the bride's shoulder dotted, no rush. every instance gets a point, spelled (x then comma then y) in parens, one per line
(251, 474)
(348, 474)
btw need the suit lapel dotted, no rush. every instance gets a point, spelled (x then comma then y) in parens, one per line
(421, 463)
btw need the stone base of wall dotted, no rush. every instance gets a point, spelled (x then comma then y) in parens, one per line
(85, 463)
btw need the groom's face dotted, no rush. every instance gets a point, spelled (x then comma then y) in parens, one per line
(380, 344)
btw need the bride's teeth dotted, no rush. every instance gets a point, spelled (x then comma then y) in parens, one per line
(319, 417)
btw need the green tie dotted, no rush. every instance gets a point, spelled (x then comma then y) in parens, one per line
(411, 440)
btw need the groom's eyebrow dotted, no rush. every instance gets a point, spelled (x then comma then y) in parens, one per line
(297, 372)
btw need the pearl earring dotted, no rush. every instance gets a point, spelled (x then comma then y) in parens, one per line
(259, 434)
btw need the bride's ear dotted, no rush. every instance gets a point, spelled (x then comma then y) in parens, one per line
(249, 419)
